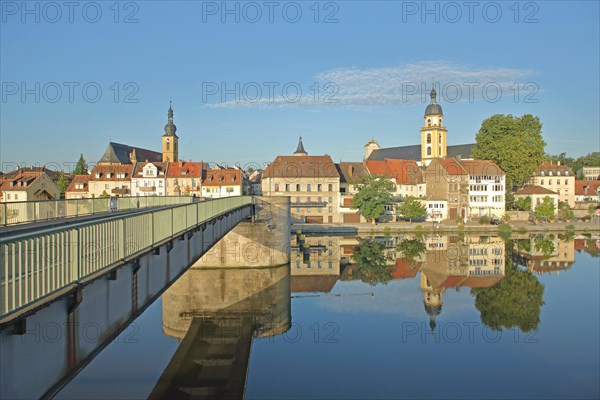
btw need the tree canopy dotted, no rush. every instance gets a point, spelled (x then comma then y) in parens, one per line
(62, 182)
(411, 208)
(370, 263)
(374, 192)
(545, 209)
(411, 248)
(514, 143)
(81, 168)
(516, 301)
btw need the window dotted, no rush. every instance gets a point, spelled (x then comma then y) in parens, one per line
(308, 187)
(8, 196)
(319, 187)
(429, 138)
(330, 200)
(287, 187)
(330, 265)
(542, 182)
(277, 187)
(429, 151)
(16, 196)
(106, 186)
(549, 181)
(330, 187)
(298, 187)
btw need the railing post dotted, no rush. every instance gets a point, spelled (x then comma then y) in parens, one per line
(76, 255)
(4, 207)
(123, 239)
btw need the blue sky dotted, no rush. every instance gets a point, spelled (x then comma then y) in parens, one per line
(369, 57)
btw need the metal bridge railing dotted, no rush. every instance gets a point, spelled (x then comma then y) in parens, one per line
(37, 265)
(21, 212)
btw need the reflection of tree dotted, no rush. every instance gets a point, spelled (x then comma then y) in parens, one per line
(411, 248)
(370, 263)
(514, 301)
(544, 244)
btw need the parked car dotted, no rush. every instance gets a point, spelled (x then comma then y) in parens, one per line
(495, 221)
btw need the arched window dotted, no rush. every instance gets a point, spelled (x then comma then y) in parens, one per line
(440, 138)
(168, 146)
(429, 151)
(429, 138)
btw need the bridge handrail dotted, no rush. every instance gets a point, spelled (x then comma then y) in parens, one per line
(22, 212)
(35, 266)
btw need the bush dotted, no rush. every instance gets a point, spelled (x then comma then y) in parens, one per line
(485, 220)
(522, 230)
(570, 227)
(505, 231)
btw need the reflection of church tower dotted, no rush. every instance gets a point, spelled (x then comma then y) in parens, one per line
(170, 141)
(432, 300)
(300, 149)
(433, 132)
(369, 147)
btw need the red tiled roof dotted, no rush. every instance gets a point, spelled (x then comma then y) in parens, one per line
(533, 189)
(482, 167)
(546, 168)
(403, 270)
(78, 179)
(301, 167)
(104, 170)
(591, 186)
(453, 167)
(184, 169)
(406, 172)
(21, 181)
(482, 280)
(222, 177)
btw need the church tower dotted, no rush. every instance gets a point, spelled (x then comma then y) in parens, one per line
(433, 132)
(170, 141)
(432, 300)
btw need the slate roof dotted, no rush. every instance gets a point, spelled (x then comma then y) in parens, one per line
(117, 153)
(349, 171)
(413, 152)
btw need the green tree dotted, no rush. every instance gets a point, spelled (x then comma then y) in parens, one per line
(62, 182)
(544, 210)
(411, 248)
(81, 168)
(370, 263)
(411, 208)
(544, 244)
(524, 203)
(514, 143)
(374, 192)
(516, 301)
(104, 195)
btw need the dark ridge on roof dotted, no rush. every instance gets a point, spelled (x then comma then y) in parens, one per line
(414, 152)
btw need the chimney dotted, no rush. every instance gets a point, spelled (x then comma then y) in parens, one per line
(180, 163)
(350, 170)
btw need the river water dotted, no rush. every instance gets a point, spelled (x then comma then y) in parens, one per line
(373, 317)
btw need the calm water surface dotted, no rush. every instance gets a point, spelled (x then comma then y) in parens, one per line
(396, 317)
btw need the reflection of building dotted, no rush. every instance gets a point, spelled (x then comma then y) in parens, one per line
(451, 262)
(545, 254)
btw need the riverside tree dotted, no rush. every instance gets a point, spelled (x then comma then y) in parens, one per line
(514, 143)
(374, 192)
(411, 208)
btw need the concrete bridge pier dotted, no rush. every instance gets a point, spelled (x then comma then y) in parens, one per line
(264, 242)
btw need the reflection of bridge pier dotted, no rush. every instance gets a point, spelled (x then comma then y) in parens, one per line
(215, 313)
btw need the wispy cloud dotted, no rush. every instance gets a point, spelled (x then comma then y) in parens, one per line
(401, 85)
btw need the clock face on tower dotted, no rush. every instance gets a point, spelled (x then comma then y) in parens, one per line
(168, 140)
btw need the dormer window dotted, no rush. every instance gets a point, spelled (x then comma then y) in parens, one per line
(549, 173)
(558, 173)
(98, 175)
(109, 175)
